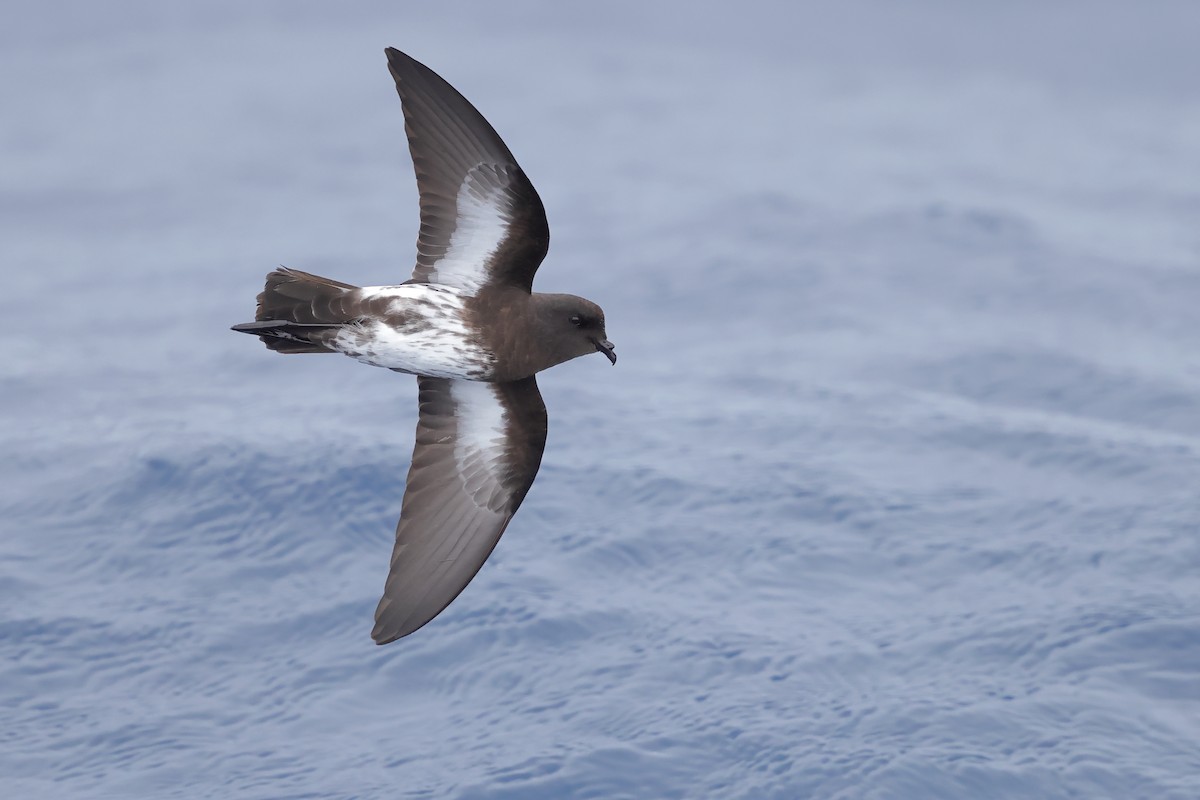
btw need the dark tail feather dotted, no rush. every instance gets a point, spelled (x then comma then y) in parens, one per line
(296, 311)
(288, 337)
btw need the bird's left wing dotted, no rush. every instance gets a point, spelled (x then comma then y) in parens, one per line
(478, 448)
(482, 222)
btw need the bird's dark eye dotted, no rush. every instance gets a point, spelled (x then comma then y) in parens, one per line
(577, 320)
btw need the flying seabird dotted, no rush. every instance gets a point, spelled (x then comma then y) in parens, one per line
(472, 330)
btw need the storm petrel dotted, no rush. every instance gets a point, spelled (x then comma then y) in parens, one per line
(472, 330)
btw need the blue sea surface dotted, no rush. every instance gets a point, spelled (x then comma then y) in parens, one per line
(894, 492)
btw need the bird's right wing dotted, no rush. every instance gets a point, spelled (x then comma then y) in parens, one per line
(478, 449)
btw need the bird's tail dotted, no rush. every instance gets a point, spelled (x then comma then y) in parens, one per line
(297, 311)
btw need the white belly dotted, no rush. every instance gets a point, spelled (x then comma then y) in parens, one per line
(427, 335)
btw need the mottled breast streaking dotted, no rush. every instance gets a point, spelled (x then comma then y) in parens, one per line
(423, 331)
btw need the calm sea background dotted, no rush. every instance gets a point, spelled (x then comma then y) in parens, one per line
(894, 493)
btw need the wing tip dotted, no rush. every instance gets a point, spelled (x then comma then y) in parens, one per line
(382, 634)
(387, 627)
(398, 59)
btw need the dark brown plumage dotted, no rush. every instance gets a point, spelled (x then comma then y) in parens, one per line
(468, 324)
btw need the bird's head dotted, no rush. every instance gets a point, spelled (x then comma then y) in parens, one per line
(573, 326)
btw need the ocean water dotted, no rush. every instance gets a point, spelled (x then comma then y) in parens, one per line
(894, 492)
